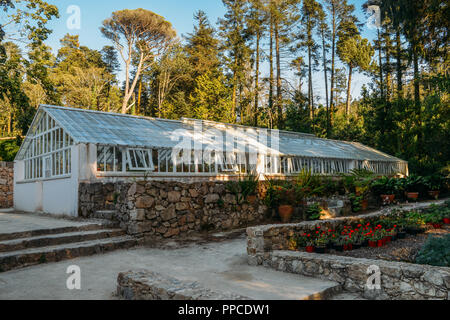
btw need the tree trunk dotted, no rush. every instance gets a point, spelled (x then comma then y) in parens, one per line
(138, 108)
(333, 57)
(399, 64)
(380, 61)
(417, 96)
(271, 70)
(310, 87)
(326, 83)
(347, 109)
(255, 120)
(279, 98)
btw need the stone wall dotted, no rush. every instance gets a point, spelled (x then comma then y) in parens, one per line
(269, 246)
(6, 184)
(166, 209)
(147, 285)
(399, 281)
(263, 239)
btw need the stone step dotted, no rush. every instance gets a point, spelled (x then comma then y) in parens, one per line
(57, 239)
(264, 284)
(53, 231)
(28, 257)
(104, 214)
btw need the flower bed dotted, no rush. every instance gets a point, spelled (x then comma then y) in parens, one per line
(371, 233)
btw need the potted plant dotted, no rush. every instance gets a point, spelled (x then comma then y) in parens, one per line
(411, 187)
(321, 243)
(386, 188)
(434, 185)
(286, 198)
(348, 243)
(308, 240)
(446, 216)
(338, 244)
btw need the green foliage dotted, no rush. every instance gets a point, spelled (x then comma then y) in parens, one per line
(307, 185)
(436, 252)
(243, 188)
(313, 212)
(356, 202)
(9, 149)
(385, 186)
(210, 98)
(434, 182)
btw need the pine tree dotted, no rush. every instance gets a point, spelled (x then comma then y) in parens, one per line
(237, 57)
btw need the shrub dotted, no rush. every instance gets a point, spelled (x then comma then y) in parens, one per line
(435, 252)
(313, 212)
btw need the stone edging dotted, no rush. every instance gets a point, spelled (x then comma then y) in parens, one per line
(266, 238)
(399, 281)
(148, 285)
(268, 246)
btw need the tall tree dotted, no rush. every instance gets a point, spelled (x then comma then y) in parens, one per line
(234, 32)
(339, 11)
(356, 53)
(324, 33)
(257, 19)
(310, 19)
(283, 15)
(137, 32)
(202, 46)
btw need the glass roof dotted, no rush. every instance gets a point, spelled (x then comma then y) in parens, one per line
(95, 127)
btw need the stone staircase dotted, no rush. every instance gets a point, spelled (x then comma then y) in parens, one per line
(23, 249)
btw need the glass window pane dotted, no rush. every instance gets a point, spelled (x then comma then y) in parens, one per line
(118, 160)
(109, 158)
(101, 158)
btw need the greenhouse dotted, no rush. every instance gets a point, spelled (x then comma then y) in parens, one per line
(66, 146)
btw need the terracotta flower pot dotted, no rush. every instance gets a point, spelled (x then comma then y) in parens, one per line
(434, 194)
(388, 198)
(412, 196)
(252, 199)
(446, 220)
(364, 205)
(285, 212)
(310, 249)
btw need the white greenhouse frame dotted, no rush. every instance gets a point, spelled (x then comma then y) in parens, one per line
(49, 151)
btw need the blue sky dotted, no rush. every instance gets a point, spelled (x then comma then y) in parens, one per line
(178, 12)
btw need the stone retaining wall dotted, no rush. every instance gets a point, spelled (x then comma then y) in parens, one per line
(169, 209)
(263, 239)
(399, 281)
(269, 246)
(6, 184)
(147, 285)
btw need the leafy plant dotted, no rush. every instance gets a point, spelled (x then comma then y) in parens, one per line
(307, 185)
(244, 187)
(385, 186)
(356, 202)
(412, 183)
(435, 252)
(313, 212)
(434, 182)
